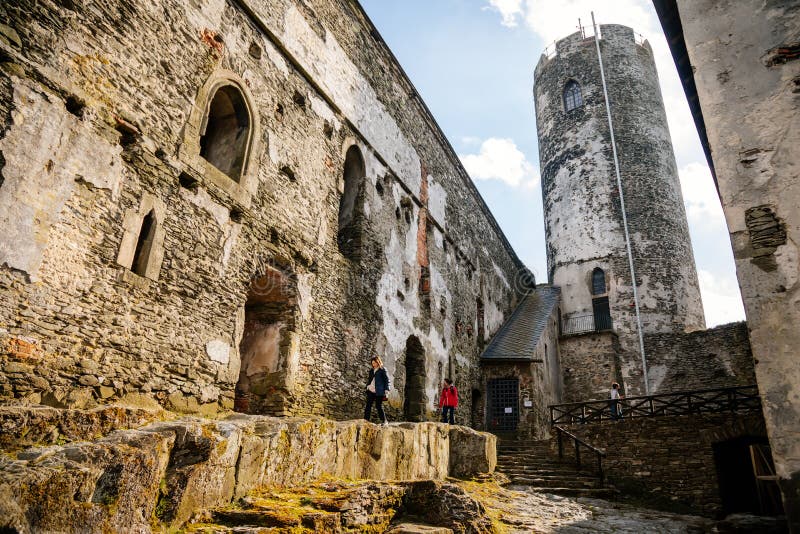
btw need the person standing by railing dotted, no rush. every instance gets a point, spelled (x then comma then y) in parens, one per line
(614, 404)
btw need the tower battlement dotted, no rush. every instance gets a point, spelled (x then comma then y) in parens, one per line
(617, 34)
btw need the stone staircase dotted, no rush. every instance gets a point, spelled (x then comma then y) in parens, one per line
(534, 464)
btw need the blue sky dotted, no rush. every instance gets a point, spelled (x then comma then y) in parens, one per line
(472, 61)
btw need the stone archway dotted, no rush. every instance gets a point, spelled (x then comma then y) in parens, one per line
(415, 400)
(264, 349)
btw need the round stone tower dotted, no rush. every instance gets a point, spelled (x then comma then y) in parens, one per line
(586, 249)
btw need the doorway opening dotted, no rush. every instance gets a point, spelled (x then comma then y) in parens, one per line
(746, 477)
(503, 406)
(263, 350)
(414, 395)
(476, 412)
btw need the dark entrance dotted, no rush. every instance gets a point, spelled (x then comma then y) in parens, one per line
(503, 408)
(414, 394)
(602, 314)
(264, 346)
(746, 477)
(476, 414)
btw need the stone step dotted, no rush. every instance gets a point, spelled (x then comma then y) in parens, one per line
(553, 483)
(562, 479)
(548, 457)
(594, 493)
(555, 466)
(524, 450)
(536, 459)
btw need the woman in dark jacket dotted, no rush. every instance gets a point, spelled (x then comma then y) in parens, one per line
(377, 388)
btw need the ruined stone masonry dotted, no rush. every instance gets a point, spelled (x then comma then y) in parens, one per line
(745, 80)
(586, 250)
(232, 204)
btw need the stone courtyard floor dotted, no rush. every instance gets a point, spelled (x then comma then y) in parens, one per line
(520, 511)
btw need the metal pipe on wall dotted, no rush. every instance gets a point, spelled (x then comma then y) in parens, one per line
(622, 207)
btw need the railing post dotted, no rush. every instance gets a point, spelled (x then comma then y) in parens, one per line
(560, 445)
(578, 453)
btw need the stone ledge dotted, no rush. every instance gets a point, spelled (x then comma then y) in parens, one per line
(162, 473)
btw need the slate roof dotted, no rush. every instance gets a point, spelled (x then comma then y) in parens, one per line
(518, 337)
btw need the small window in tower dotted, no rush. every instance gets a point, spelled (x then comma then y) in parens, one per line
(572, 96)
(227, 132)
(141, 258)
(598, 281)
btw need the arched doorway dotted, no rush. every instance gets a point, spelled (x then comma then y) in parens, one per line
(414, 401)
(263, 350)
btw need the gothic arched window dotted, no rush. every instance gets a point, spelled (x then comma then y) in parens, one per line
(226, 137)
(572, 96)
(598, 281)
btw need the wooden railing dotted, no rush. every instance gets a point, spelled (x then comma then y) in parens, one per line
(578, 443)
(720, 400)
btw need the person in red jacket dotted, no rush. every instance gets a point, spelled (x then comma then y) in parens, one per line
(448, 401)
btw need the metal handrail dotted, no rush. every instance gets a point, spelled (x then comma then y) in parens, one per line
(585, 323)
(599, 454)
(712, 400)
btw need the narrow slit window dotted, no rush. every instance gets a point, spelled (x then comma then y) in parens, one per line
(572, 96)
(348, 237)
(227, 133)
(144, 245)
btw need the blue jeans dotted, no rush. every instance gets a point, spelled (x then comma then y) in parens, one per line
(451, 418)
(615, 409)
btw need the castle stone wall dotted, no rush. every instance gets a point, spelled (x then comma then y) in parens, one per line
(681, 475)
(102, 110)
(747, 74)
(590, 363)
(714, 358)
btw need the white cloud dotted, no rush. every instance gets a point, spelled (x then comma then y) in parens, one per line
(509, 10)
(500, 159)
(722, 301)
(555, 20)
(703, 208)
(551, 21)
